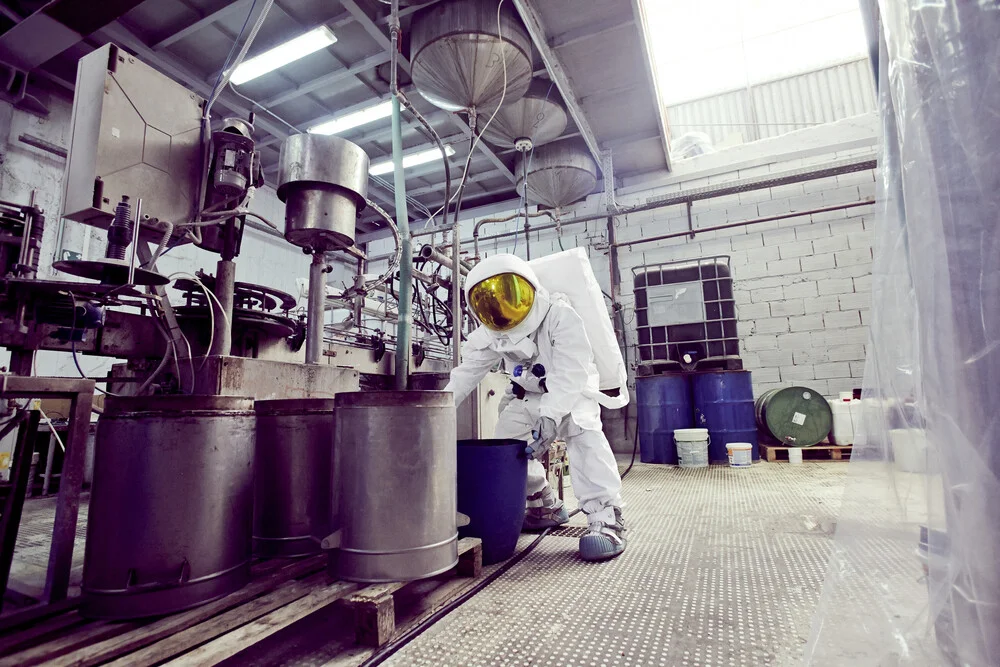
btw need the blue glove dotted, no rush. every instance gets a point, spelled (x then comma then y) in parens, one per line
(544, 434)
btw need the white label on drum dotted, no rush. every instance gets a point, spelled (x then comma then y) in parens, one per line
(798, 418)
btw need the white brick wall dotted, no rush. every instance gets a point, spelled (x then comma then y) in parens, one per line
(802, 284)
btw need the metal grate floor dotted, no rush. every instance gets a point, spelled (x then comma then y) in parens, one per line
(723, 567)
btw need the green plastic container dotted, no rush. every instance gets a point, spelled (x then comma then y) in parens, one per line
(794, 416)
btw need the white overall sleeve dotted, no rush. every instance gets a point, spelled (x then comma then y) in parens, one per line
(568, 376)
(477, 360)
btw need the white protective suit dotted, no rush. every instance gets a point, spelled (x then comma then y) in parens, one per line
(552, 335)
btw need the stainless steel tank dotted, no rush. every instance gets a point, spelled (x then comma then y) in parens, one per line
(397, 485)
(559, 173)
(538, 117)
(171, 511)
(295, 473)
(458, 50)
(323, 181)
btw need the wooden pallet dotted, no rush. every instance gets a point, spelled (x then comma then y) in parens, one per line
(281, 594)
(375, 608)
(773, 453)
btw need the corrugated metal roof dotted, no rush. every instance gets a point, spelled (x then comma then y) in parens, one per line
(777, 107)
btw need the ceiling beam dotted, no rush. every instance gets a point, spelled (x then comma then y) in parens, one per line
(639, 12)
(334, 23)
(204, 21)
(326, 81)
(533, 22)
(589, 32)
(376, 33)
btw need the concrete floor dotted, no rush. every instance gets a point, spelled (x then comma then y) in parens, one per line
(723, 567)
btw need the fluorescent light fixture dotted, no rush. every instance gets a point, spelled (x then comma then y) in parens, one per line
(281, 55)
(411, 160)
(354, 119)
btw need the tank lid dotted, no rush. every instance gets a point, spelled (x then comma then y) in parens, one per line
(179, 403)
(294, 405)
(401, 399)
(491, 442)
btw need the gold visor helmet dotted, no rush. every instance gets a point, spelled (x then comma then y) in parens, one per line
(502, 301)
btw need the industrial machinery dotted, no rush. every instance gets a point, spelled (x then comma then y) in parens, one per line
(171, 522)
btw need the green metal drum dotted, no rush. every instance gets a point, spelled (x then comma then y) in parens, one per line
(794, 416)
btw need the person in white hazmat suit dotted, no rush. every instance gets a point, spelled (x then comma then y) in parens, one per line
(543, 343)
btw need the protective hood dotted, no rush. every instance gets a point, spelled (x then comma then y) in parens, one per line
(498, 264)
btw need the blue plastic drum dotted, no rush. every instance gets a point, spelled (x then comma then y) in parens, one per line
(723, 403)
(664, 406)
(492, 486)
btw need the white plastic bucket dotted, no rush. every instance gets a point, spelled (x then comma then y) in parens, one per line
(794, 455)
(692, 447)
(740, 454)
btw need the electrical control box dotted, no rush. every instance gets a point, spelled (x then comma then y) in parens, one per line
(135, 132)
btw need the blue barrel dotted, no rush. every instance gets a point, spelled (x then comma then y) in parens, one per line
(664, 405)
(492, 487)
(723, 403)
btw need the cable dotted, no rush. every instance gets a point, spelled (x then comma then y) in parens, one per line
(476, 137)
(52, 428)
(209, 295)
(242, 54)
(72, 346)
(232, 49)
(395, 645)
(394, 262)
(263, 108)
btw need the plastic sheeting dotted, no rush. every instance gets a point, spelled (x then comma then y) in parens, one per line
(914, 575)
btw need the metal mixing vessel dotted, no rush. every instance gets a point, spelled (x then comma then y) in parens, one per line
(397, 485)
(323, 181)
(295, 473)
(171, 511)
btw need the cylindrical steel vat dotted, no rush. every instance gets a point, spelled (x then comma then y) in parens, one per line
(171, 512)
(295, 473)
(323, 181)
(397, 485)
(664, 406)
(723, 403)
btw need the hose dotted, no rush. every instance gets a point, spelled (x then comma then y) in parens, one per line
(394, 262)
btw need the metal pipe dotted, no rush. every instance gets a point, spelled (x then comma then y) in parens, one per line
(527, 223)
(846, 167)
(316, 308)
(457, 318)
(225, 287)
(745, 223)
(50, 457)
(508, 218)
(430, 252)
(405, 306)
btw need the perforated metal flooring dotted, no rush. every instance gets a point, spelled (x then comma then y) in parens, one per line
(723, 567)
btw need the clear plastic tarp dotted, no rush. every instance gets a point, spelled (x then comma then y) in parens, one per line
(914, 574)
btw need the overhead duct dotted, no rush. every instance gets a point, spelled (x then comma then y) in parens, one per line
(458, 55)
(534, 120)
(559, 174)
